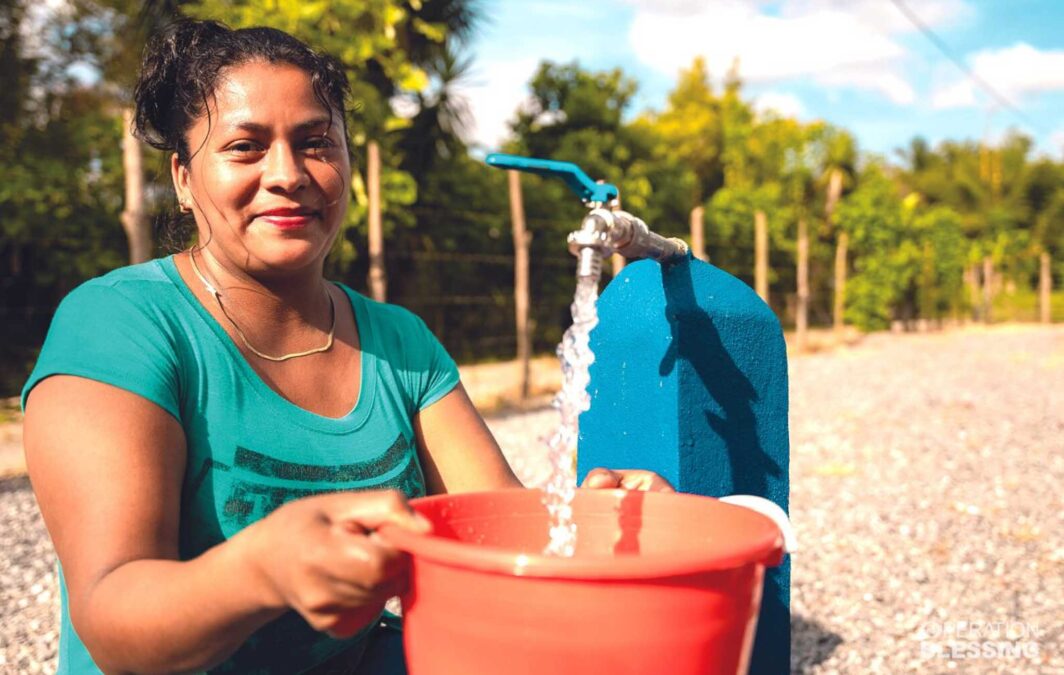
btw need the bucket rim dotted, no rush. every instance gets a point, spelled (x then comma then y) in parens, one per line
(762, 544)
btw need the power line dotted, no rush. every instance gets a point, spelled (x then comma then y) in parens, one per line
(959, 62)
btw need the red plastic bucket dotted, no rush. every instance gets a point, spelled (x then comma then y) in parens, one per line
(660, 583)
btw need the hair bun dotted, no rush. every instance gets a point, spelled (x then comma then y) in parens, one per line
(164, 73)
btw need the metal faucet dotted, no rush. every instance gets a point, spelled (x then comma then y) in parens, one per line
(604, 232)
(606, 229)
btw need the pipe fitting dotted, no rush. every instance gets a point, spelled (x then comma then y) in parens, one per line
(604, 232)
(621, 232)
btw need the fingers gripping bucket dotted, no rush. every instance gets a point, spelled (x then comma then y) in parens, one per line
(660, 583)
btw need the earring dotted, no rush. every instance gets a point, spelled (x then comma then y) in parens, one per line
(185, 208)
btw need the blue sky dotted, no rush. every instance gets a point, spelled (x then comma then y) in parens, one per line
(860, 64)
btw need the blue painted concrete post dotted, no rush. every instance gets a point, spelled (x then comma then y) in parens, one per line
(690, 381)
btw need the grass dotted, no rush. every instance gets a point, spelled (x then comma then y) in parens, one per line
(10, 410)
(1021, 305)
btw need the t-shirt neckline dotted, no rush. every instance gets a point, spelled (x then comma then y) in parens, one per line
(352, 420)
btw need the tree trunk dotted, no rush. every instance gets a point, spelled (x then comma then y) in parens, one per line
(761, 254)
(698, 233)
(378, 281)
(801, 318)
(840, 281)
(988, 288)
(832, 198)
(972, 276)
(1045, 288)
(831, 201)
(134, 219)
(521, 300)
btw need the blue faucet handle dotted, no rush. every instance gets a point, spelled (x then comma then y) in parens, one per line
(578, 181)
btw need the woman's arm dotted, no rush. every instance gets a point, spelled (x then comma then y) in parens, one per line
(107, 466)
(459, 454)
(457, 451)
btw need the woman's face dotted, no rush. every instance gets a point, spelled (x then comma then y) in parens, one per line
(269, 175)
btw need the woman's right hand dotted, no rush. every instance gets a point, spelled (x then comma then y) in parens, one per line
(320, 556)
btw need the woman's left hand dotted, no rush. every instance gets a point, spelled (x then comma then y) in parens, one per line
(626, 479)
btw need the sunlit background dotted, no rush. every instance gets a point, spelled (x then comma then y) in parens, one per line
(887, 71)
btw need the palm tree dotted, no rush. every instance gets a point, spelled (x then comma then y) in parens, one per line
(439, 127)
(840, 160)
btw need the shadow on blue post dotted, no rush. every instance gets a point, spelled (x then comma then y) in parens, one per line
(690, 380)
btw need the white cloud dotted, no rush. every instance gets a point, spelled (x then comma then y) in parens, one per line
(1021, 69)
(494, 93)
(1014, 72)
(1056, 142)
(787, 105)
(835, 43)
(957, 95)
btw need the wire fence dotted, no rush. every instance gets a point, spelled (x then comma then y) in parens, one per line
(467, 299)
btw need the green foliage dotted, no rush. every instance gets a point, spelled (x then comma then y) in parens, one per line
(1019, 303)
(58, 175)
(872, 216)
(60, 187)
(364, 34)
(909, 259)
(691, 130)
(939, 248)
(913, 229)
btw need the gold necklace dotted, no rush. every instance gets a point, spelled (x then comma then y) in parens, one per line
(217, 298)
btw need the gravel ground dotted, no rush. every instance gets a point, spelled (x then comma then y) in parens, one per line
(926, 474)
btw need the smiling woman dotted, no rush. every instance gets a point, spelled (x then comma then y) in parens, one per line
(213, 437)
(241, 424)
(271, 171)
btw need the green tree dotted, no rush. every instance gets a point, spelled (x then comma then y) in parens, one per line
(58, 176)
(690, 130)
(872, 217)
(939, 249)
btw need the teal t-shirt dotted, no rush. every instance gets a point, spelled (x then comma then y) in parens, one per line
(249, 450)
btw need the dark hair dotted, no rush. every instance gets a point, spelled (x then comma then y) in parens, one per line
(181, 68)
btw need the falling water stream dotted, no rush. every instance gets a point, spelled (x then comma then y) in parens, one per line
(576, 357)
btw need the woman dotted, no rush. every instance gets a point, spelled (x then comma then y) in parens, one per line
(214, 436)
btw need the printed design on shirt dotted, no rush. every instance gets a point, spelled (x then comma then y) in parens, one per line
(254, 485)
(264, 465)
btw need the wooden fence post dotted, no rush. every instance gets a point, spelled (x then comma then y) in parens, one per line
(988, 288)
(378, 281)
(761, 254)
(971, 285)
(521, 299)
(134, 219)
(840, 282)
(801, 318)
(831, 201)
(698, 233)
(1045, 288)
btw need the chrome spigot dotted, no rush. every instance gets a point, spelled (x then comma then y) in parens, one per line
(631, 237)
(606, 229)
(590, 244)
(604, 232)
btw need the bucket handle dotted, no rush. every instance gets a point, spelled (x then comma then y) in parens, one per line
(773, 512)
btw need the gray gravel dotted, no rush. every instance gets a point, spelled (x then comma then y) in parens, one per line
(926, 474)
(29, 596)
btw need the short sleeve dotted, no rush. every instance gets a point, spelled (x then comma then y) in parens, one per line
(431, 373)
(100, 333)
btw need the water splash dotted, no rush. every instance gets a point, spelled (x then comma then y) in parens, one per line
(576, 357)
